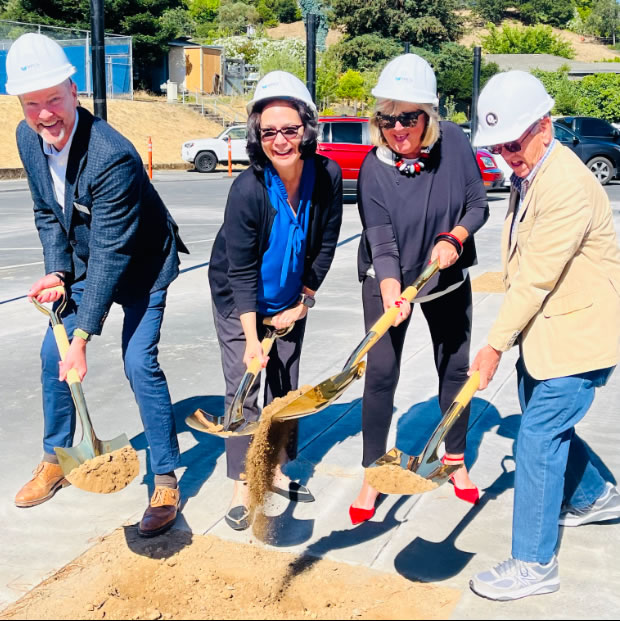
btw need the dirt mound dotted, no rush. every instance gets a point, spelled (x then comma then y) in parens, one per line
(297, 30)
(180, 576)
(107, 473)
(391, 479)
(489, 282)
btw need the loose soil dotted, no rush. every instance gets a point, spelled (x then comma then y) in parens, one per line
(392, 479)
(489, 282)
(263, 456)
(169, 125)
(107, 473)
(185, 576)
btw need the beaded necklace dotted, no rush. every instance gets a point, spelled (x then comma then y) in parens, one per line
(412, 168)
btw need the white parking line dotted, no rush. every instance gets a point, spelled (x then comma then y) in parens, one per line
(199, 241)
(36, 248)
(10, 267)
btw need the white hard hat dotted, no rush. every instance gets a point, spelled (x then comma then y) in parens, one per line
(508, 104)
(35, 62)
(281, 85)
(407, 78)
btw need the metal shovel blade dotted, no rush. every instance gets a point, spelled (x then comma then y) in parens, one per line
(428, 464)
(90, 446)
(232, 422)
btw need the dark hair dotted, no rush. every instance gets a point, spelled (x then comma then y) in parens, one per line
(308, 145)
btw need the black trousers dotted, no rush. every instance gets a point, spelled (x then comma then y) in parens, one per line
(449, 320)
(282, 376)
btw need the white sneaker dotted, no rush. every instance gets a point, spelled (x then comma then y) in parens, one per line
(605, 507)
(514, 579)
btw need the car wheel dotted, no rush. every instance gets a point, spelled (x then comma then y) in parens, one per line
(205, 162)
(602, 169)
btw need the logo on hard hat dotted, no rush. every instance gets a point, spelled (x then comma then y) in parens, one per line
(26, 67)
(492, 119)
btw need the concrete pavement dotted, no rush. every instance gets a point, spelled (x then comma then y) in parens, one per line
(433, 537)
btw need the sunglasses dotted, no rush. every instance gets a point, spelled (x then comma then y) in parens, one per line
(290, 131)
(406, 119)
(514, 146)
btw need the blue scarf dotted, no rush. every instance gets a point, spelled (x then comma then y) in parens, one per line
(282, 267)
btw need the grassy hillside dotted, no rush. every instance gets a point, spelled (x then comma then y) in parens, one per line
(168, 125)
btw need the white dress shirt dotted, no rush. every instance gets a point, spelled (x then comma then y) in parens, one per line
(57, 162)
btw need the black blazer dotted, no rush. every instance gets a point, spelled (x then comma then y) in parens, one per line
(113, 231)
(242, 240)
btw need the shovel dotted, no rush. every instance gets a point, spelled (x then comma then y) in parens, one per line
(90, 446)
(233, 421)
(428, 464)
(324, 394)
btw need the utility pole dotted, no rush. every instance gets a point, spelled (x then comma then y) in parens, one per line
(98, 59)
(311, 24)
(474, 93)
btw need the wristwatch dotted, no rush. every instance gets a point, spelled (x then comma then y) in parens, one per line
(307, 300)
(82, 334)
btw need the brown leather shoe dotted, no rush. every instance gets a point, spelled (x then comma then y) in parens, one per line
(47, 480)
(161, 513)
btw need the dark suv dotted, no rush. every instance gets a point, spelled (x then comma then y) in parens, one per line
(590, 127)
(346, 140)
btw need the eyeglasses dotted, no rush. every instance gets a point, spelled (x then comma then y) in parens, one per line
(290, 131)
(514, 146)
(406, 119)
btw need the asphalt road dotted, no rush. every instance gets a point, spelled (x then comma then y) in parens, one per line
(195, 200)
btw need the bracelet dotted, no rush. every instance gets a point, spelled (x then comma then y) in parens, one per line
(60, 276)
(451, 239)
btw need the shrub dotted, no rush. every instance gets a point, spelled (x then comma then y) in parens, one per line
(528, 40)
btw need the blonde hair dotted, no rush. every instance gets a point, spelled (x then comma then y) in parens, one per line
(388, 106)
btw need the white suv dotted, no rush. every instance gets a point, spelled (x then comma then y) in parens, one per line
(206, 153)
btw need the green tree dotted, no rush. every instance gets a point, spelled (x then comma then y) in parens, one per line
(367, 51)
(351, 86)
(424, 23)
(553, 12)
(527, 40)
(604, 18)
(287, 11)
(564, 91)
(490, 10)
(203, 11)
(328, 69)
(178, 21)
(234, 17)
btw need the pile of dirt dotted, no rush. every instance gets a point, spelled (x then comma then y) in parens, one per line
(169, 125)
(262, 458)
(107, 473)
(489, 282)
(185, 576)
(392, 479)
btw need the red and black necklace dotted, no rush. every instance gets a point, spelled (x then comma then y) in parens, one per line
(411, 169)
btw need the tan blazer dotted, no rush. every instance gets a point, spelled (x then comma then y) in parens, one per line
(561, 273)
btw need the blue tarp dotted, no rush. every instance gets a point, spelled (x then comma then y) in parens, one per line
(117, 62)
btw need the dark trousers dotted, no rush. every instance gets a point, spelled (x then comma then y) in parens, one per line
(282, 376)
(449, 321)
(141, 331)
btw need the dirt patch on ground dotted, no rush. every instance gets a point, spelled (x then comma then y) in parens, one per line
(297, 30)
(184, 576)
(169, 125)
(107, 473)
(489, 282)
(586, 49)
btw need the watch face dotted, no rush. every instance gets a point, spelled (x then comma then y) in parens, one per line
(308, 301)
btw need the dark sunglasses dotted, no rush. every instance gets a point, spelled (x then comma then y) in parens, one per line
(291, 131)
(406, 119)
(514, 146)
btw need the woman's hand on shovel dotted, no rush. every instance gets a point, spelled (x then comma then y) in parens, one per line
(253, 349)
(75, 359)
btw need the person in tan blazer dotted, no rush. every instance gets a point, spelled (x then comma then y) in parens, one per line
(562, 309)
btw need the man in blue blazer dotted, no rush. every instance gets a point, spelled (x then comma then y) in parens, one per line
(107, 237)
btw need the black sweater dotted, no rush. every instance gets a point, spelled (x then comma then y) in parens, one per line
(242, 240)
(401, 215)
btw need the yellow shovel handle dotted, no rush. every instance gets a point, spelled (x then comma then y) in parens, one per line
(254, 366)
(466, 394)
(63, 347)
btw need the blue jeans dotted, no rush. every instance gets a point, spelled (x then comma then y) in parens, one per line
(551, 458)
(141, 331)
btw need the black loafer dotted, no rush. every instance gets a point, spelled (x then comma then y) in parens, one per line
(238, 518)
(295, 492)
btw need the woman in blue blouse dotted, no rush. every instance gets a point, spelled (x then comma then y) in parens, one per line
(272, 253)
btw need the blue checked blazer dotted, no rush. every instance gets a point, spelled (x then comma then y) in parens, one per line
(115, 232)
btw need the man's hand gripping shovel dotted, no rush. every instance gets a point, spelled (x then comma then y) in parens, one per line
(90, 446)
(399, 473)
(322, 395)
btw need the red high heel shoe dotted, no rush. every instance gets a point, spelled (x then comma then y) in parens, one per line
(468, 494)
(358, 515)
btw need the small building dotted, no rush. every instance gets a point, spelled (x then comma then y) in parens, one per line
(195, 67)
(548, 62)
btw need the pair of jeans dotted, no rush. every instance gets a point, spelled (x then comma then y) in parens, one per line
(552, 462)
(141, 332)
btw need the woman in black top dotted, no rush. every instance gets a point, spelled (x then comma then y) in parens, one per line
(421, 198)
(272, 253)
